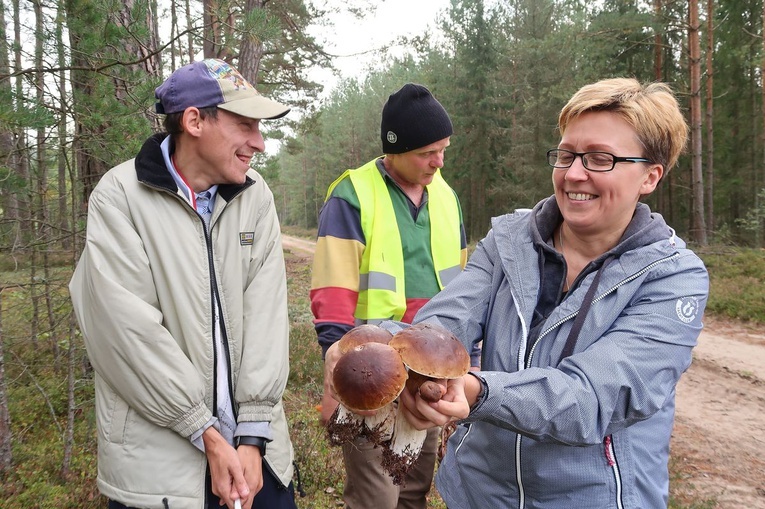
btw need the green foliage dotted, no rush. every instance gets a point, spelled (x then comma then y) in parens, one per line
(319, 464)
(737, 282)
(754, 220)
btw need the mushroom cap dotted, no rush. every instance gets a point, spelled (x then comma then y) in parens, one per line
(431, 350)
(369, 377)
(363, 334)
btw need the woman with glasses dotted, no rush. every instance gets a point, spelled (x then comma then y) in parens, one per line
(588, 307)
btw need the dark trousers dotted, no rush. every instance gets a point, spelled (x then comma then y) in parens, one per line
(272, 496)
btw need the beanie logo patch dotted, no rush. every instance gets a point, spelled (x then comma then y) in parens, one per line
(391, 136)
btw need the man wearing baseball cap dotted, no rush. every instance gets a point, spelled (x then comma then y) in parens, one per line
(390, 237)
(181, 297)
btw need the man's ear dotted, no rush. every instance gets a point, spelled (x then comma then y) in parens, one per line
(191, 121)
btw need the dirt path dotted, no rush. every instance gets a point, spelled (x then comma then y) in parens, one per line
(297, 246)
(719, 440)
(718, 443)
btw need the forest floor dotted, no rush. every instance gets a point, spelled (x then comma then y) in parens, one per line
(718, 443)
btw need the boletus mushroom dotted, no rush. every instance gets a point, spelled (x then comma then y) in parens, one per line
(368, 377)
(361, 334)
(431, 354)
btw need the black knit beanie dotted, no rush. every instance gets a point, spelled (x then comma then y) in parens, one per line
(412, 118)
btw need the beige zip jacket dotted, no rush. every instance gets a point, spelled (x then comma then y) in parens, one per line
(143, 294)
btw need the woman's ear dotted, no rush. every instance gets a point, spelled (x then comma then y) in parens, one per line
(652, 177)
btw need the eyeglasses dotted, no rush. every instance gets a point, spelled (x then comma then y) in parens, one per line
(593, 161)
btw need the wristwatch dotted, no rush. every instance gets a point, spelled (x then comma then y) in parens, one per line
(258, 442)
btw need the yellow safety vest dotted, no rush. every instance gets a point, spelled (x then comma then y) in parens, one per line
(381, 274)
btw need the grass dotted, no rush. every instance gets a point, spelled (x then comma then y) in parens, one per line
(35, 373)
(737, 283)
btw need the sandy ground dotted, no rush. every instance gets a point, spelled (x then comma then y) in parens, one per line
(718, 443)
(719, 436)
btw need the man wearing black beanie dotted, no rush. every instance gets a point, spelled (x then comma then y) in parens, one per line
(413, 118)
(390, 237)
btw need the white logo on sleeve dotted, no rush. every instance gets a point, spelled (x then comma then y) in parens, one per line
(687, 308)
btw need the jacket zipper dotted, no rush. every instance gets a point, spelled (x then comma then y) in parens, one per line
(614, 466)
(214, 296)
(217, 315)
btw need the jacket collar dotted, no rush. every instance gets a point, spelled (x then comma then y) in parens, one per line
(151, 170)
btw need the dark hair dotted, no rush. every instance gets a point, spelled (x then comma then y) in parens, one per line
(172, 121)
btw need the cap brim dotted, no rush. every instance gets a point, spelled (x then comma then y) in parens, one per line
(257, 107)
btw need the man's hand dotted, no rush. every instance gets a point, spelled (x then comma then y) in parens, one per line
(252, 463)
(328, 405)
(226, 472)
(328, 402)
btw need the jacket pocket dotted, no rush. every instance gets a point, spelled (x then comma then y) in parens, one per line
(117, 419)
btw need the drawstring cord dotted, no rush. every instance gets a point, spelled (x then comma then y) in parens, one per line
(573, 335)
(299, 483)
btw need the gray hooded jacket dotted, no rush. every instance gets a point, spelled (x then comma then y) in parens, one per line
(587, 430)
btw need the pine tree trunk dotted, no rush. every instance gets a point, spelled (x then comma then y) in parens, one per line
(6, 455)
(698, 225)
(709, 171)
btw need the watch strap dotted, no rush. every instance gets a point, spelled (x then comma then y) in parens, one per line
(258, 442)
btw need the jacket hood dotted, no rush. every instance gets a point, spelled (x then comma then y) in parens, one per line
(645, 228)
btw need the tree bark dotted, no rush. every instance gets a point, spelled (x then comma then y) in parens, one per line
(658, 66)
(709, 170)
(63, 136)
(6, 454)
(251, 49)
(8, 155)
(758, 206)
(20, 210)
(698, 225)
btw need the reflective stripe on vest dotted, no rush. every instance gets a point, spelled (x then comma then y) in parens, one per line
(381, 274)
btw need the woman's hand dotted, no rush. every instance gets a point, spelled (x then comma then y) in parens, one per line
(452, 406)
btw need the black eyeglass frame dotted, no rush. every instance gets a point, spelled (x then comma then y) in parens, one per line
(616, 159)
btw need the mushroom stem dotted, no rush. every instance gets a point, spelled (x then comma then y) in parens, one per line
(403, 449)
(344, 425)
(378, 428)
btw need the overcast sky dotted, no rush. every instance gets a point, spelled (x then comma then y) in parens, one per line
(354, 40)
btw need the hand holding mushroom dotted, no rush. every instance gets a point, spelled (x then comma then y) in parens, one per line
(369, 376)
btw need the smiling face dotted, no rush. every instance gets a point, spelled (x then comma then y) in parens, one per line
(602, 204)
(218, 151)
(416, 168)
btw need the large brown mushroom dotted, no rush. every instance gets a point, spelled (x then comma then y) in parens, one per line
(431, 354)
(369, 377)
(361, 334)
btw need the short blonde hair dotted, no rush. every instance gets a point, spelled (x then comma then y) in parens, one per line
(651, 109)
